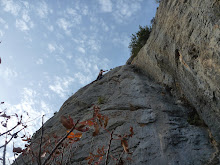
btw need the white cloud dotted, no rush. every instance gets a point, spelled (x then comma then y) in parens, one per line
(104, 26)
(61, 85)
(51, 48)
(45, 107)
(65, 25)
(69, 57)
(25, 23)
(25, 16)
(50, 28)
(106, 5)
(94, 44)
(85, 10)
(43, 10)
(22, 25)
(40, 61)
(11, 7)
(82, 50)
(26, 4)
(125, 9)
(83, 79)
(6, 26)
(28, 93)
(93, 19)
(1, 33)
(2, 21)
(7, 74)
(89, 65)
(121, 39)
(35, 108)
(74, 16)
(31, 24)
(60, 48)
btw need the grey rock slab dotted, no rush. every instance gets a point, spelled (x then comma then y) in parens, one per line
(162, 134)
(183, 53)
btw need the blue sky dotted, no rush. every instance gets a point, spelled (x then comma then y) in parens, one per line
(52, 48)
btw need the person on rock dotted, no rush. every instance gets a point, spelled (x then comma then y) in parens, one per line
(100, 76)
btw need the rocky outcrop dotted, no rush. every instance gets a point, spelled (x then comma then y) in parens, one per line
(183, 52)
(162, 130)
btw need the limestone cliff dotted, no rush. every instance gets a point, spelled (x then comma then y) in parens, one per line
(183, 52)
(162, 130)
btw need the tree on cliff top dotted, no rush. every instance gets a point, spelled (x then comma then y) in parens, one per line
(138, 40)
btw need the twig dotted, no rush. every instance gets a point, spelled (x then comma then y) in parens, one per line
(11, 137)
(48, 158)
(41, 138)
(4, 152)
(110, 141)
(6, 142)
(120, 157)
(11, 129)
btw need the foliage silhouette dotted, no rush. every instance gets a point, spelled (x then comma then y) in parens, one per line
(10, 133)
(138, 40)
(75, 130)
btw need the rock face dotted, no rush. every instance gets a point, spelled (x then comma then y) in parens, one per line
(183, 52)
(162, 133)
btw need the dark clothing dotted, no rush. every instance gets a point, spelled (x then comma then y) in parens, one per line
(100, 76)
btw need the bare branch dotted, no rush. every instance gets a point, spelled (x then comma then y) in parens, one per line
(11, 129)
(48, 158)
(6, 142)
(119, 160)
(12, 136)
(4, 152)
(110, 141)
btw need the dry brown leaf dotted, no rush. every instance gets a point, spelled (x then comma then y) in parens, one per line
(67, 122)
(17, 150)
(124, 144)
(88, 122)
(132, 132)
(44, 154)
(96, 132)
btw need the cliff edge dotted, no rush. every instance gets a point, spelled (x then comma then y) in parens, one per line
(183, 52)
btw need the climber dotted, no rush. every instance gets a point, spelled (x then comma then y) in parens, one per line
(100, 76)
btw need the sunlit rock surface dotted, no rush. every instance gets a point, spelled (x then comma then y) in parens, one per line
(162, 133)
(183, 52)
(183, 56)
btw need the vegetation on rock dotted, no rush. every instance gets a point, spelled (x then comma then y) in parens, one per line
(54, 149)
(138, 40)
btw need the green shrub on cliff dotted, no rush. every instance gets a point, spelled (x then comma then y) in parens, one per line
(138, 40)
